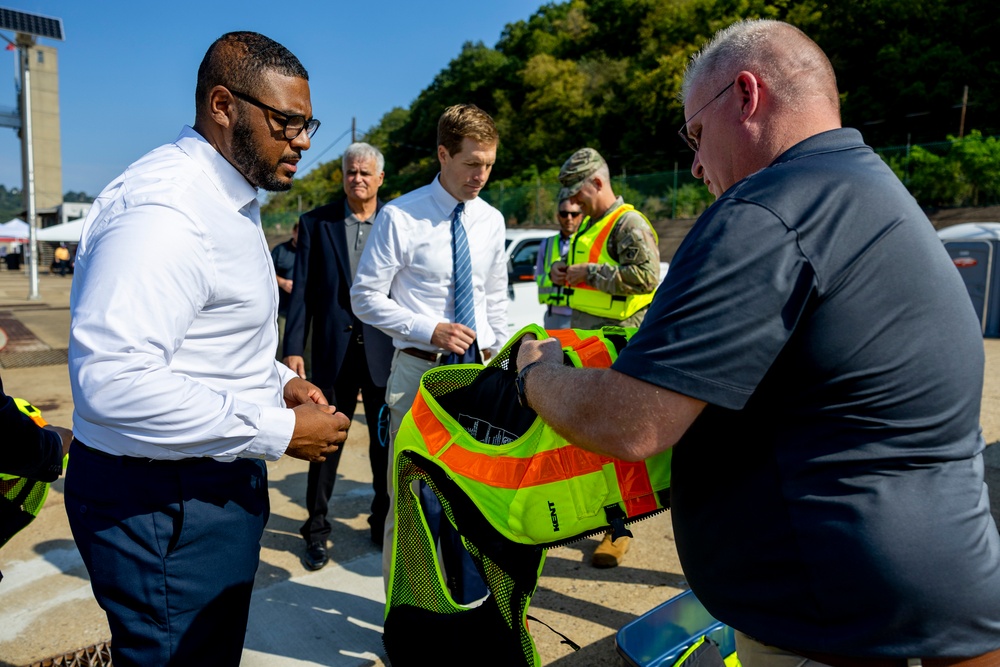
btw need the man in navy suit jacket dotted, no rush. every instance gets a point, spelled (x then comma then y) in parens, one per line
(346, 354)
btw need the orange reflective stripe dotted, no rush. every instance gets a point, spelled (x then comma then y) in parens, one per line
(635, 487)
(593, 353)
(602, 236)
(509, 472)
(434, 433)
(566, 337)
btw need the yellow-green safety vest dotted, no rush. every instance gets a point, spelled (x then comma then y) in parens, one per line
(21, 499)
(509, 501)
(548, 292)
(590, 245)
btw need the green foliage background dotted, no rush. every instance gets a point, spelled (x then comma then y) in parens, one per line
(606, 73)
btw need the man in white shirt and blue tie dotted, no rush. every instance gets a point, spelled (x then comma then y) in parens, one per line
(178, 398)
(416, 253)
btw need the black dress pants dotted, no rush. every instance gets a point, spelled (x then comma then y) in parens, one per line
(354, 375)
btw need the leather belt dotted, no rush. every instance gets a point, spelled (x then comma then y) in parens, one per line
(421, 354)
(991, 659)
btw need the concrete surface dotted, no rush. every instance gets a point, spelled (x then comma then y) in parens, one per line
(332, 617)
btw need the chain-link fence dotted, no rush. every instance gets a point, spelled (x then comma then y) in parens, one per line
(958, 172)
(663, 195)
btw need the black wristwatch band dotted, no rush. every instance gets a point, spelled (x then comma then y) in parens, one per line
(522, 398)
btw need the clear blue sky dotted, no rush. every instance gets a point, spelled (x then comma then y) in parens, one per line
(127, 69)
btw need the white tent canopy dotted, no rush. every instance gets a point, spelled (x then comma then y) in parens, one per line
(14, 229)
(67, 233)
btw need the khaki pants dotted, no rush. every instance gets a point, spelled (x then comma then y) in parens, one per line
(400, 390)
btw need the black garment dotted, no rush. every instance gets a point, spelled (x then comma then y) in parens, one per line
(25, 449)
(353, 376)
(830, 498)
(321, 301)
(283, 256)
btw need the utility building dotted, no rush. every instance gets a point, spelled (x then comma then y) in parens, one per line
(43, 86)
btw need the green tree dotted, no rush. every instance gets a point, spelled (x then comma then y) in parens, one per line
(978, 158)
(607, 73)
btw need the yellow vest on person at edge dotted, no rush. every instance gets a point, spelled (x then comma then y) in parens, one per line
(590, 245)
(512, 487)
(548, 292)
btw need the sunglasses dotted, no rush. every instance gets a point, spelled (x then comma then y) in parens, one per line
(570, 214)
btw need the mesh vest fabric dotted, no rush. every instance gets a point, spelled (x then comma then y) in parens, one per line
(590, 246)
(21, 499)
(512, 499)
(548, 292)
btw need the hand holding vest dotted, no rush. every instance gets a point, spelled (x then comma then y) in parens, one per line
(512, 487)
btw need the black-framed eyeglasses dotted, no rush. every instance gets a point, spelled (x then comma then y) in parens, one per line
(293, 125)
(570, 214)
(688, 140)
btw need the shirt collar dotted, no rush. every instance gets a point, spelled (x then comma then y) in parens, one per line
(830, 141)
(443, 198)
(351, 218)
(233, 186)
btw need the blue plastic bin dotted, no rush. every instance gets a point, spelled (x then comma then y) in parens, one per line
(661, 635)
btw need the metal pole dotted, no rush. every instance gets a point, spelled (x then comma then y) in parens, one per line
(29, 168)
(965, 102)
(538, 201)
(673, 211)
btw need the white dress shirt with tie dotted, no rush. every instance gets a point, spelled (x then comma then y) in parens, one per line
(173, 309)
(409, 256)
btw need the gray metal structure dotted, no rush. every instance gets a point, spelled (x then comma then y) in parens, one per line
(27, 27)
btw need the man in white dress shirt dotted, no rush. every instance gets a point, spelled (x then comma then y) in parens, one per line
(178, 398)
(410, 256)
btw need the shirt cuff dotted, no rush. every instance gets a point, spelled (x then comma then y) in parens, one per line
(285, 373)
(423, 329)
(276, 427)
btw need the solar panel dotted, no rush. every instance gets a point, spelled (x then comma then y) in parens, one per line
(31, 24)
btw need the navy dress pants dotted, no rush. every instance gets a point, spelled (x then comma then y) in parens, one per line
(172, 548)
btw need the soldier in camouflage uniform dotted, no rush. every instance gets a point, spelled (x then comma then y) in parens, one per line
(611, 273)
(614, 264)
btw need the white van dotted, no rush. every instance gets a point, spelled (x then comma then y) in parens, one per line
(522, 249)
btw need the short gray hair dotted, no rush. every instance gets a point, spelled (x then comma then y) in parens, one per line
(362, 151)
(786, 58)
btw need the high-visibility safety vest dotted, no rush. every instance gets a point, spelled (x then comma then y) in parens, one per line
(548, 292)
(512, 488)
(21, 499)
(590, 245)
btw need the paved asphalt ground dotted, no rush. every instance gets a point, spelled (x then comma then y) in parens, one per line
(332, 617)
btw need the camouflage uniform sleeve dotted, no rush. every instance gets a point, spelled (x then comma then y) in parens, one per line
(633, 246)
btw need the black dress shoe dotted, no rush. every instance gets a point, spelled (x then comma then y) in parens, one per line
(316, 556)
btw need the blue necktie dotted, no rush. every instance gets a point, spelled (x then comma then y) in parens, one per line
(465, 306)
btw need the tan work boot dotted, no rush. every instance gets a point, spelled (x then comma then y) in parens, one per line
(610, 554)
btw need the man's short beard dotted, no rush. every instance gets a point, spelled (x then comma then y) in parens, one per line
(249, 161)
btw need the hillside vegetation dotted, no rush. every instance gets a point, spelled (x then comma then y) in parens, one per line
(606, 73)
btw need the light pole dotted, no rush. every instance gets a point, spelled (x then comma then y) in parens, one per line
(27, 26)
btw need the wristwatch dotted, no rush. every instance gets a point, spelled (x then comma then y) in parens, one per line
(522, 398)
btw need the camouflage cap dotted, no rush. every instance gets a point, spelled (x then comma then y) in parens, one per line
(580, 166)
